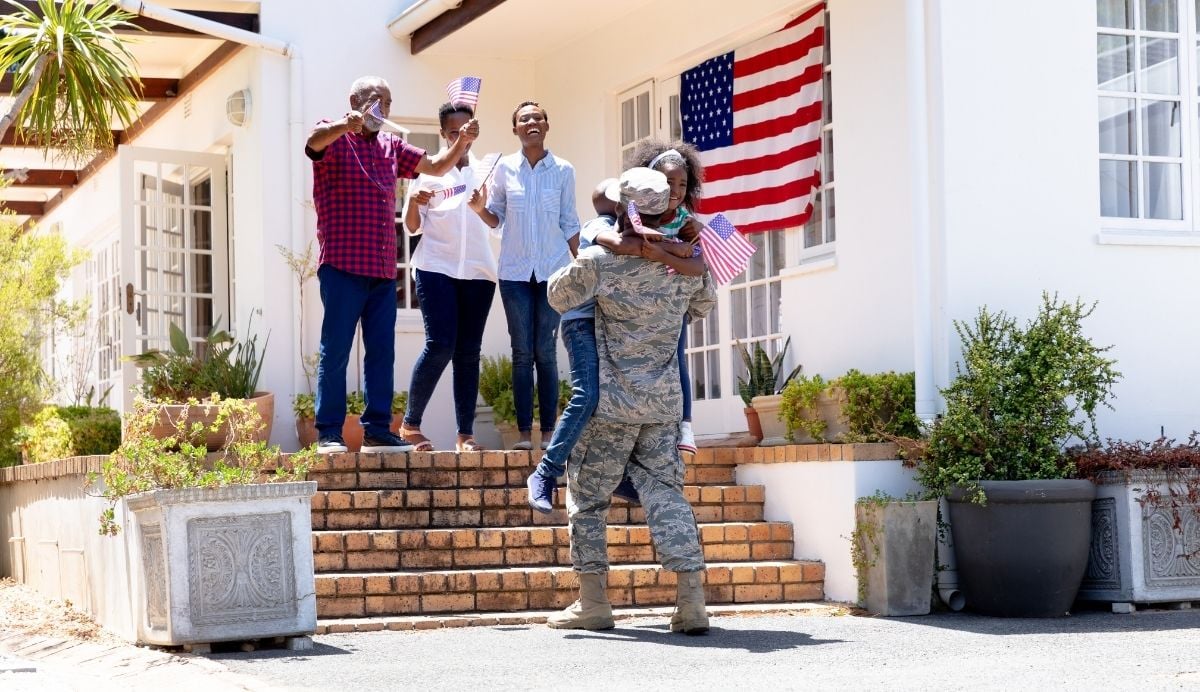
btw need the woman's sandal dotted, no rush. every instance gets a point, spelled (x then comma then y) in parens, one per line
(419, 442)
(468, 445)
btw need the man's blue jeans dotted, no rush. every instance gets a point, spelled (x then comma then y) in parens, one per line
(455, 312)
(532, 326)
(348, 299)
(579, 336)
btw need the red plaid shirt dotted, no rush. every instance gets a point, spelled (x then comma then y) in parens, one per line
(354, 189)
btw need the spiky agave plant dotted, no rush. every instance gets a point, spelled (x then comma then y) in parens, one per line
(72, 75)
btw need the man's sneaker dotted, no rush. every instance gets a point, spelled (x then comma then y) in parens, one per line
(385, 442)
(540, 491)
(331, 444)
(627, 492)
(687, 441)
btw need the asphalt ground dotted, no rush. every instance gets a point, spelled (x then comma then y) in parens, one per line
(1148, 650)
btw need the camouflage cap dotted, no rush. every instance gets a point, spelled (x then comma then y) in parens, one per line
(646, 188)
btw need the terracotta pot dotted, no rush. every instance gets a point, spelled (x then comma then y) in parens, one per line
(753, 424)
(352, 430)
(169, 418)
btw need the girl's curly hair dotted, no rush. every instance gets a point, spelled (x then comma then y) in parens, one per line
(648, 149)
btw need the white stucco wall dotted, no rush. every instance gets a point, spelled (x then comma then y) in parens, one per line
(1022, 204)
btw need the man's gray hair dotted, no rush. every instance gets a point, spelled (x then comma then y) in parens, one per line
(364, 84)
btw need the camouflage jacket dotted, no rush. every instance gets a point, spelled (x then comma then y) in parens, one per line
(639, 313)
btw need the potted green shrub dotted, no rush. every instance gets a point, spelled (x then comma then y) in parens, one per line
(304, 406)
(760, 388)
(218, 553)
(1020, 519)
(221, 366)
(1145, 521)
(856, 407)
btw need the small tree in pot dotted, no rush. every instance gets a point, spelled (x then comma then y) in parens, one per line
(1021, 526)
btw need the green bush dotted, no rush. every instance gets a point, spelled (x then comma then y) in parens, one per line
(59, 432)
(880, 406)
(1020, 396)
(495, 386)
(305, 405)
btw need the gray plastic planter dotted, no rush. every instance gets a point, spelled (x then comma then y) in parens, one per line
(1023, 554)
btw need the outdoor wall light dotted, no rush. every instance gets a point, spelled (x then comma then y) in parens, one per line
(237, 107)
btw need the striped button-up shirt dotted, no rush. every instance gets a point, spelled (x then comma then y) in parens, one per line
(354, 190)
(536, 208)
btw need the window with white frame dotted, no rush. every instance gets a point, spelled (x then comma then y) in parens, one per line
(107, 305)
(754, 301)
(426, 137)
(820, 231)
(1149, 112)
(635, 119)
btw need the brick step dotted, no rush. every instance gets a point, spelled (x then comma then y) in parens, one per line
(500, 507)
(469, 470)
(530, 546)
(547, 588)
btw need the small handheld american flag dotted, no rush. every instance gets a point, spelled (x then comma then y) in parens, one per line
(635, 217)
(726, 250)
(448, 192)
(464, 91)
(375, 112)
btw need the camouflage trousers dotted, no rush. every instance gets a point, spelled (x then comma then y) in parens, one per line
(599, 461)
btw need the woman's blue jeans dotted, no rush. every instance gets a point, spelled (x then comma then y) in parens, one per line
(348, 299)
(532, 327)
(455, 312)
(579, 336)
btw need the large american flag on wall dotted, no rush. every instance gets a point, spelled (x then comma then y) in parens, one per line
(755, 115)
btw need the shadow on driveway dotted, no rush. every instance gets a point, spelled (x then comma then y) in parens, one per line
(1080, 621)
(751, 641)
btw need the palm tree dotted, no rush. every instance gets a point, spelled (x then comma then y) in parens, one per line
(71, 74)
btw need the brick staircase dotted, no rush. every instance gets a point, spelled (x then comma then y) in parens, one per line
(441, 533)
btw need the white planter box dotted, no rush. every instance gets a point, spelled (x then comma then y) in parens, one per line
(223, 564)
(1137, 553)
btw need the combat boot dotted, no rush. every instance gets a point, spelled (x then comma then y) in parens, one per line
(690, 617)
(591, 612)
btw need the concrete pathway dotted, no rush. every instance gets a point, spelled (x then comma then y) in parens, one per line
(1094, 650)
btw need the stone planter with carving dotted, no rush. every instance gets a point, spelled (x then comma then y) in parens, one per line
(1143, 552)
(222, 564)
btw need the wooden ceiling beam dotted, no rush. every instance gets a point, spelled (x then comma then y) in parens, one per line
(41, 177)
(24, 207)
(155, 27)
(152, 88)
(450, 21)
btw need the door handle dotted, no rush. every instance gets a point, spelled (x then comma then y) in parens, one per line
(129, 299)
(138, 314)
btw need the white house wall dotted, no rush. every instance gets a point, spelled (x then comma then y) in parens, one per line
(1022, 204)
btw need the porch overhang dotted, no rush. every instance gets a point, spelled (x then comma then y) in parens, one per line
(171, 61)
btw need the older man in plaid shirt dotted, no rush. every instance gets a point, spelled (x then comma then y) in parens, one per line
(355, 168)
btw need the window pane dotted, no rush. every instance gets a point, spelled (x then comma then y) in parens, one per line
(1117, 126)
(1161, 121)
(827, 98)
(737, 304)
(676, 125)
(714, 374)
(627, 133)
(830, 220)
(812, 229)
(696, 334)
(696, 369)
(713, 324)
(759, 308)
(778, 252)
(757, 267)
(1159, 15)
(1115, 13)
(1118, 189)
(1164, 191)
(776, 294)
(1114, 62)
(827, 174)
(643, 115)
(1160, 66)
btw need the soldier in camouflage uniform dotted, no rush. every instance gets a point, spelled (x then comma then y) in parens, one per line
(636, 424)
